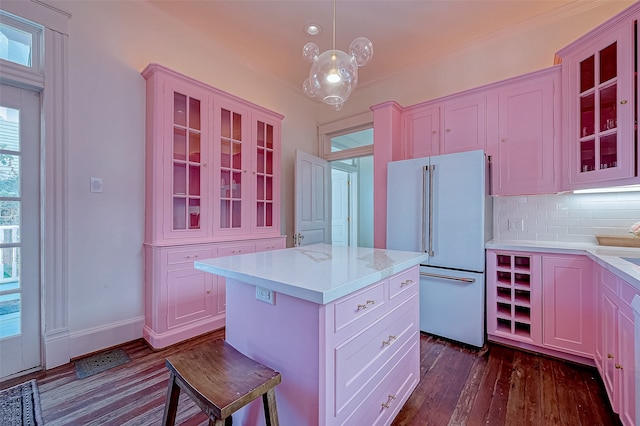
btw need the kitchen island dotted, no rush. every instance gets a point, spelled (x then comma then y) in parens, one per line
(339, 323)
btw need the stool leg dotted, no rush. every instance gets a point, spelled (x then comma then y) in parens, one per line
(270, 409)
(171, 405)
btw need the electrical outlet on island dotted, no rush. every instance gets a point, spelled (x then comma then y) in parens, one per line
(265, 295)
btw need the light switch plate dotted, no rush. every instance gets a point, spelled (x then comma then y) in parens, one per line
(96, 185)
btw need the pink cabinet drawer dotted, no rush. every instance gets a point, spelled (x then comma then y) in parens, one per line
(361, 357)
(270, 245)
(236, 249)
(404, 284)
(394, 387)
(363, 304)
(187, 256)
(626, 296)
(609, 280)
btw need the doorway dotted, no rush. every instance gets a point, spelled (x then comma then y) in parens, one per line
(19, 230)
(352, 188)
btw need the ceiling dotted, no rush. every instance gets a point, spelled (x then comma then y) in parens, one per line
(270, 33)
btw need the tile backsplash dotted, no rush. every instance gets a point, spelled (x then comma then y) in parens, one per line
(565, 217)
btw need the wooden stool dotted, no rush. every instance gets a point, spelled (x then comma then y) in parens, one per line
(220, 380)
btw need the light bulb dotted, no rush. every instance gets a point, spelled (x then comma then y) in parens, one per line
(333, 76)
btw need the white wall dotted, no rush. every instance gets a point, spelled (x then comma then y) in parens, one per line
(110, 42)
(566, 217)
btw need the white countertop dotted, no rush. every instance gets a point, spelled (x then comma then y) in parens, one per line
(319, 273)
(609, 257)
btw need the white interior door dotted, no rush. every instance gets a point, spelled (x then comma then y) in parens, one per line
(339, 207)
(312, 195)
(19, 230)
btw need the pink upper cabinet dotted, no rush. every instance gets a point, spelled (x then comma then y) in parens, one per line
(598, 73)
(212, 167)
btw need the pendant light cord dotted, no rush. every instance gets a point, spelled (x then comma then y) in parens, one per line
(334, 24)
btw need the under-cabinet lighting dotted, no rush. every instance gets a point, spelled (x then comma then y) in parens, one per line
(627, 188)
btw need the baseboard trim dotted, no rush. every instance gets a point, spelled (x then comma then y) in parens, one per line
(91, 340)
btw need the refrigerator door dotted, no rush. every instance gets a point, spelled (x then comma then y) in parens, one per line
(452, 304)
(406, 204)
(458, 211)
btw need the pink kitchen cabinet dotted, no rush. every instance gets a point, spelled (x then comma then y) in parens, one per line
(212, 182)
(568, 313)
(615, 345)
(421, 131)
(514, 297)
(524, 134)
(352, 361)
(541, 302)
(464, 123)
(599, 97)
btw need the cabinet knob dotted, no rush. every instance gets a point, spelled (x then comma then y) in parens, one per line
(208, 291)
(503, 139)
(609, 356)
(434, 132)
(407, 282)
(618, 366)
(623, 102)
(448, 130)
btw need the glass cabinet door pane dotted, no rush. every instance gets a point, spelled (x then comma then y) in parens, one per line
(179, 109)
(179, 179)
(179, 213)
(225, 213)
(587, 74)
(237, 126)
(194, 213)
(608, 102)
(194, 114)
(225, 153)
(179, 144)
(269, 137)
(587, 155)
(194, 180)
(225, 123)
(237, 155)
(608, 151)
(608, 63)
(260, 135)
(587, 115)
(236, 185)
(194, 147)
(269, 163)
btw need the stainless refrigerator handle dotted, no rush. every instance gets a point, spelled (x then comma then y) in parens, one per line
(447, 277)
(432, 169)
(423, 213)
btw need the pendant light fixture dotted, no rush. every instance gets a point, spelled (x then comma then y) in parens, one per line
(334, 73)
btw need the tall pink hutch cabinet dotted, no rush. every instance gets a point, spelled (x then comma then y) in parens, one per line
(212, 189)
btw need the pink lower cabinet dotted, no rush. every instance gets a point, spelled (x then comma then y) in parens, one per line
(182, 302)
(615, 344)
(514, 297)
(353, 361)
(568, 304)
(541, 302)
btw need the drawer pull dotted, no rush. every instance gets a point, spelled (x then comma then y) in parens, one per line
(189, 257)
(389, 399)
(407, 282)
(609, 356)
(618, 366)
(366, 305)
(388, 342)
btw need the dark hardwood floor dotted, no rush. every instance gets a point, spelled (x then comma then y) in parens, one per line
(459, 386)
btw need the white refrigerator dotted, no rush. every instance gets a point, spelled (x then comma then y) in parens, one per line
(440, 205)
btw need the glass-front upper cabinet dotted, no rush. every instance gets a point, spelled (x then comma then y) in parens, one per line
(231, 123)
(264, 210)
(600, 105)
(186, 162)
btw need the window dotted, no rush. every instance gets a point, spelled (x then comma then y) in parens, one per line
(20, 42)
